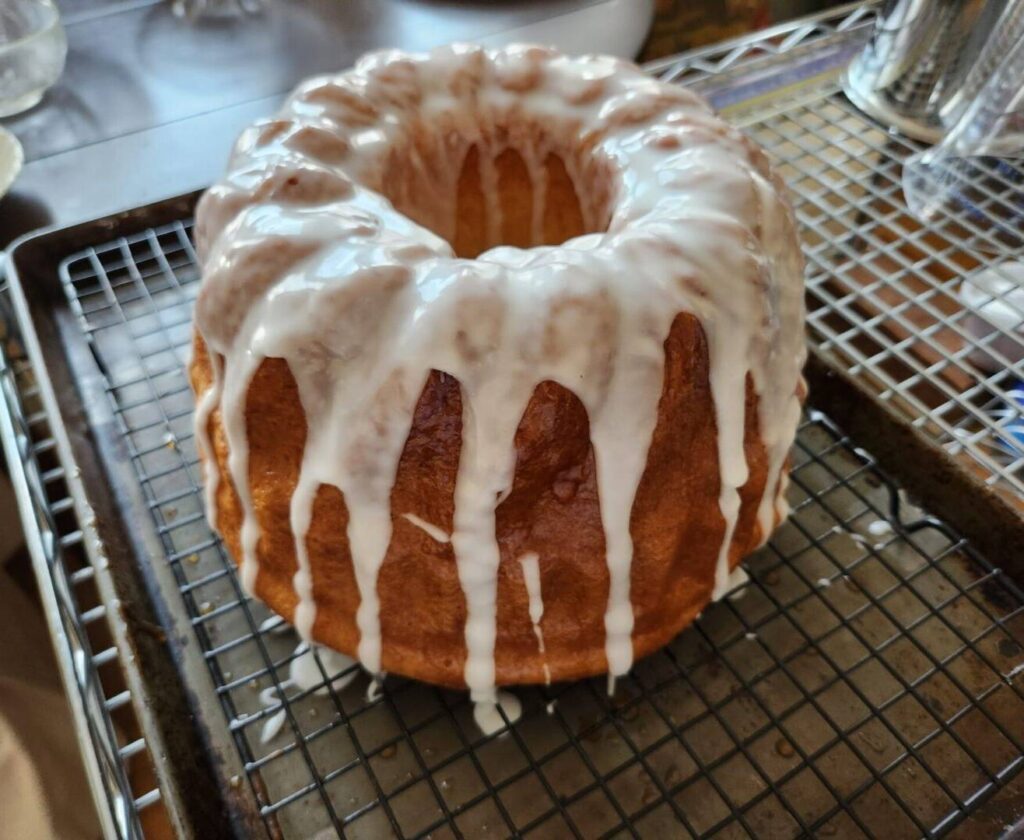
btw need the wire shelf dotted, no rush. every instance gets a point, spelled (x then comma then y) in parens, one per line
(867, 679)
(883, 287)
(705, 64)
(115, 755)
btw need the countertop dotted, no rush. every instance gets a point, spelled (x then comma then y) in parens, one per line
(148, 105)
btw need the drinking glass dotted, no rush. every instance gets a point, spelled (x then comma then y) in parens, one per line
(974, 176)
(32, 52)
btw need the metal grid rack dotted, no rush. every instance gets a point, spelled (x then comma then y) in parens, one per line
(883, 287)
(868, 681)
(868, 678)
(115, 756)
(695, 67)
(127, 799)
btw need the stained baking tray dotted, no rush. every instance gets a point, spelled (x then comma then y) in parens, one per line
(866, 682)
(114, 751)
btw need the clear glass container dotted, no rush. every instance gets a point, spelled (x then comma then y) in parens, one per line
(974, 177)
(32, 52)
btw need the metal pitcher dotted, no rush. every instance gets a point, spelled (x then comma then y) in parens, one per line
(927, 59)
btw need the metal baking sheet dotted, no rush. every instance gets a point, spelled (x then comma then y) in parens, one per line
(119, 553)
(867, 678)
(74, 599)
(867, 681)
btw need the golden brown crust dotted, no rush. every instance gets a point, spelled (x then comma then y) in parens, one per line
(553, 507)
(553, 510)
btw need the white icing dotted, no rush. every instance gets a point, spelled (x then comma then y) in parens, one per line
(432, 530)
(236, 386)
(488, 714)
(305, 260)
(734, 583)
(301, 518)
(738, 581)
(304, 673)
(879, 528)
(269, 695)
(274, 624)
(272, 727)
(205, 405)
(531, 577)
(373, 690)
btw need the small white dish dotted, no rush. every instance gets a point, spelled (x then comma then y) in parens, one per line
(11, 159)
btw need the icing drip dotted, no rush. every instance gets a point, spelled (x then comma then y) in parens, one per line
(488, 714)
(728, 383)
(620, 434)
(781, 505)
(540, 198)
(369, 533)
(432, 530)
(236, 386)
(734, 587)
(211, 477)
(772, 504)
(301, 517)
(779, 412)
(274, 624)
(879, 528)
(492, 406)
(531, 577)
(374, 688)
(306, 261)
(489, 183)
(304, 674)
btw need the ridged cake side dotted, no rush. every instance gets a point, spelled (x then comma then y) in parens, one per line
(552, 511)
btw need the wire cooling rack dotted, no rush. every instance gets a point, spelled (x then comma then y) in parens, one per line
(91, 667)
(868, 677)
(867, 681)
(883, 288)
(114, 753)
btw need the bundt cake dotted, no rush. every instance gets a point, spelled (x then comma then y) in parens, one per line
(497, 361)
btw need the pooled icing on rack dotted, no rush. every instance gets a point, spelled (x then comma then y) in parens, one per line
(306, 260)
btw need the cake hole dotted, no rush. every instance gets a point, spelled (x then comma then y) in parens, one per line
(502, 197)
